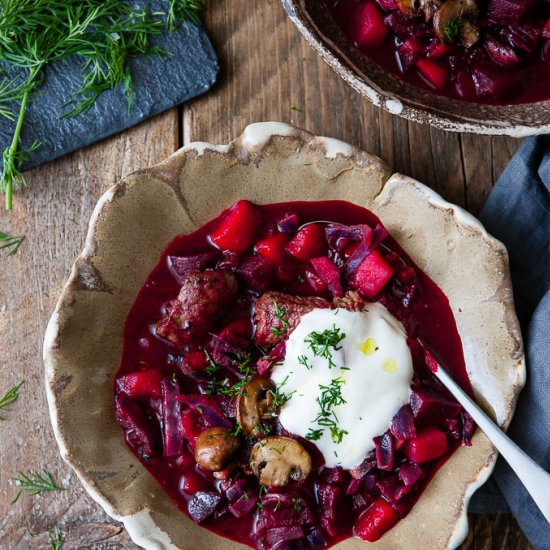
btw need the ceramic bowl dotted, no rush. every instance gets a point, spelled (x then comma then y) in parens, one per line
(318, 27)
(269, 162)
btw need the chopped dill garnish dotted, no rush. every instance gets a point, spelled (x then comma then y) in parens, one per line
(331, 397)
(321, 343)
(452, 29)
(302, 359)
(281, 312)
(280, 397)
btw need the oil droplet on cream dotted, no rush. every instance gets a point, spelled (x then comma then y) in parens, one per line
(369, 346)
(390, 366)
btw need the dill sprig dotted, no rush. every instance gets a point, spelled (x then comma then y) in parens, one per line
(280, 397)
(55, 540)
(34, 483)
(321, 343)
(245, 366)
(10, 397)
(281, 312)
(331, 397)
(10, 243)
(105, 34)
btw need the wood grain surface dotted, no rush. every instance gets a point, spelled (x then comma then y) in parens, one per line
(268, 73)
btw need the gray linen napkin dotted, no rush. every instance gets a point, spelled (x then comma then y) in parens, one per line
(518, 213)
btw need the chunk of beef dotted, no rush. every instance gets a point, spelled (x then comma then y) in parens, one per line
(201, 302)
(276, 315)
(352, 300)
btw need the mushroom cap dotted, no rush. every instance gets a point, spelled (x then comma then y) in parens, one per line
(451, 10)
(255, 406)
(277, 460)
(214, 448)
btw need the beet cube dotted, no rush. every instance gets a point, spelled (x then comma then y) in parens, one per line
(243, 505)
(500, 53)
(429, 444)
(335, 476)
(361, 500)
(402, 424)
(372, 275)
(329, 274)
(410, 52)
(309, 242)
(194, 362)
(181, 266)
(409, 474)
(138, 430)
(508, 12)
(378, 518)
(433, 73)
(384, 451)
(389, 487)
(431, 408)
(256, 272)
(493, 84)
(272, 248)
(235, 490)
(202, 505)
(332, 500)
(237, 230)
(141, 384)
(371, 29)
(317, 285)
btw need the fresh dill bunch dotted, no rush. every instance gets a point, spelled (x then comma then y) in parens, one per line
(10, 397)
(10, 244)
(105, 34)
(34, 483)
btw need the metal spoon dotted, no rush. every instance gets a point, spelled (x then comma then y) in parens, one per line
(535, 479)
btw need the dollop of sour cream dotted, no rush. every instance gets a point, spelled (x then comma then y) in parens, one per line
(360, 382)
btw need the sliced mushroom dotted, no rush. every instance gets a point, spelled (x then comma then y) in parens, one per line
(214, 448)
(255, 407)
(412, 8)
(469, 34)
(453, 10)
(278, 460)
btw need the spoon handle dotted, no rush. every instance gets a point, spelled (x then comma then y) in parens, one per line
(534, 478)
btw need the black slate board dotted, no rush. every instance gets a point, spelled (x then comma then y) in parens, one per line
(159, 84)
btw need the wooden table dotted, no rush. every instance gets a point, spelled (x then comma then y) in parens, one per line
(268, 73)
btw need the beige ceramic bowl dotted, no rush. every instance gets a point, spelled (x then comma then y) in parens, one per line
(318, 27)
(269, 162)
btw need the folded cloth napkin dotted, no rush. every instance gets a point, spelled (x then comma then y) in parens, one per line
(518, 214)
